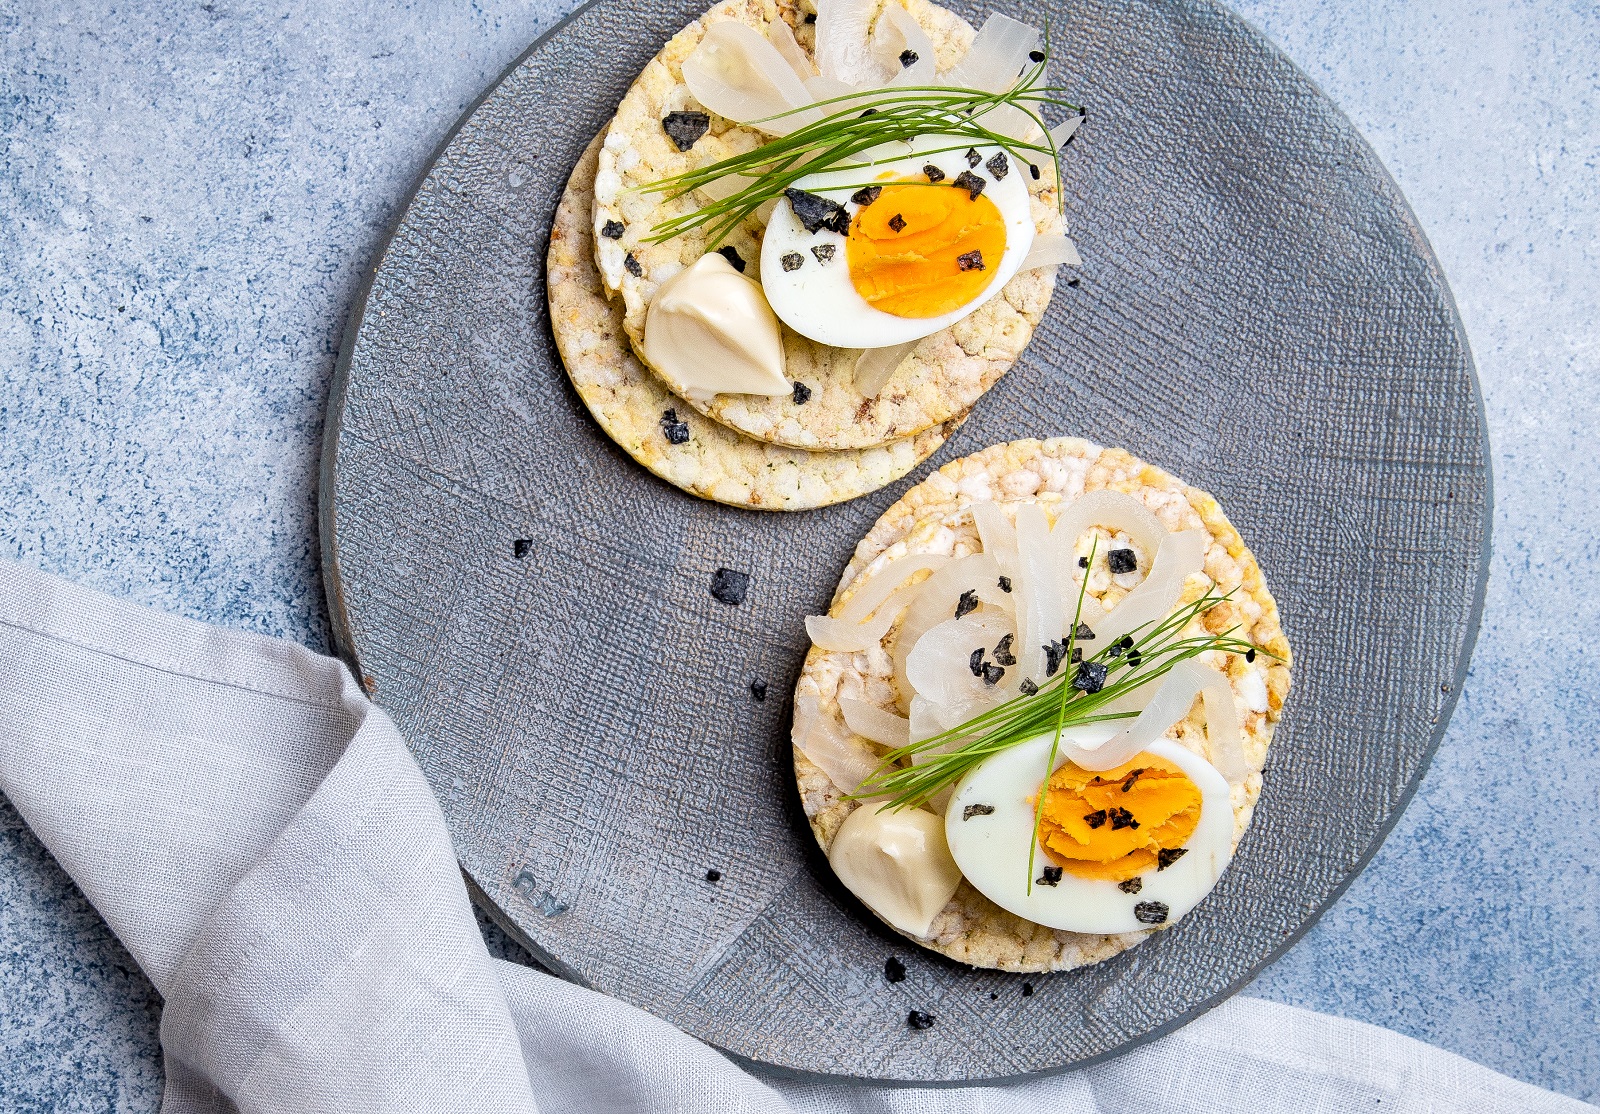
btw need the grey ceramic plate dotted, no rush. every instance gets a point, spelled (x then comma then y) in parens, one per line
(1258, 312)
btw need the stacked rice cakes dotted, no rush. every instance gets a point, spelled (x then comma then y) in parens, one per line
(935, 517)
(925, 398)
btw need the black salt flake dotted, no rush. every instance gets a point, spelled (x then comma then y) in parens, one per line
(1169, 855)
(1050, 877)
(971, 261)
(1036, 56)
(975, 662)
(612, 230)
(1151, 912)
(520, 547)
(815, 212)
(1131, 886)
(677, 433)
(1083, 632)
(792, 260)
(897, 222)
(866, 195)
(998, 166)
(1122, 560)
(685, 128)
(731, 254)
(758, 690)
(968, 603)
(633, 265)
(713, 876)
(970, 182)
(802, 393)
(729, 586)
(1090, 677)
(972, 156)
(977, 810)
(992, 674)
(908, 58)
(1002, 652)
(1027, 990)
(1121, 818)
(933, 172)
(919, 1020)
(824, 252)
(1034, 170)
(1005, 584)
(894, 969)
(1250, 654)
(1095, 818)
(1028, 688)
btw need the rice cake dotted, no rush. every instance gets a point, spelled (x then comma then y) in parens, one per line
(948, 371)
(934, 517)
(630, 403)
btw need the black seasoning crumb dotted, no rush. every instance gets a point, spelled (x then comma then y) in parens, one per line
(977, 810)
(1077, 654)
(1169, 855)
(975, 662)
(1028, 688)
(815, 212)
(897, 222)
(866, 195)
(1127, 782)
(802, 393)
(1083, 562)
(792, 260)
(713, 876)
(971, 261)
(1121, 560)
(968, 603)
(1027, 990)
(1050, 877)
(811, 17)
(731, 254)
(970, 182)
(1096, 818)
(1074, 282)
(1002, 652)
(933, 172)
(1034, 170)
(520, 547)
(685, 128)
(1250, 654)
(729, 587)
(1121, 818)
(972, 156)
(632, 265)
(868, 112)
(824, 252)
(1090, 677)
(1054, 651)
(893, 969)
(1084, 633)
(1005, 584)
(1131, 886)
(758, 690)
(1135, 660)
(992, 674)
(908, 58)
(612, 230)
(1036, 56)
(1150, 912)
(919, 1020)
(993, 996)
(999, 166)
(677, 432)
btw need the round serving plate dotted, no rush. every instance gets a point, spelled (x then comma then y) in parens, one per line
(1257, 312)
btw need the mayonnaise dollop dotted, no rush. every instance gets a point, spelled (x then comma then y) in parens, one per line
(897, 863)
(709, 331)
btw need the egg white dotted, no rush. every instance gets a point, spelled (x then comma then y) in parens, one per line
(992, 850)
(818, 300)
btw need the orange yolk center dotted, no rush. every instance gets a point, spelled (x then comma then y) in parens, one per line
(922, 250)
(1113, 825)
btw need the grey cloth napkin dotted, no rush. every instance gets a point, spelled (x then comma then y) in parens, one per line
(257, 834)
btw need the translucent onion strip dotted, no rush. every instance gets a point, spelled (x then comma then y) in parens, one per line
(999, 537)
(872, 722)
(895, 32)
(1051, 251)
(1065, 130)
(935, 602)
(1115, 511)
(1041, 610)
(783, 39)
(735, 72)
(843, 54)
(1171, 705)
(820, 739)
(836, 634)
(893, 574)
(998, 53)
(875, 366)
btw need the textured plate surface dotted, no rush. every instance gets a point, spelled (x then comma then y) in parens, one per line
(1258, 313)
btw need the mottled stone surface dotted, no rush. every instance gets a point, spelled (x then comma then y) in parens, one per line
(165, 349)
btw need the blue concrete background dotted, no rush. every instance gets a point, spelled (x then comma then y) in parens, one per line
(191, 190)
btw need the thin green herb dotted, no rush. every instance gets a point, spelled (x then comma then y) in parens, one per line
(862, 122)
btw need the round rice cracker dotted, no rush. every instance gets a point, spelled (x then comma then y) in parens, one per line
(948, 371)
(935, 517)
(630, 404)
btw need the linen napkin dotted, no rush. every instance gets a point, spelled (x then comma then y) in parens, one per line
(256, 833)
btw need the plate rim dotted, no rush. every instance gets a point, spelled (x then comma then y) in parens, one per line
(345, 649)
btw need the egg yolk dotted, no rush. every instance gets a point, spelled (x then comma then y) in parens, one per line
(922, 250)
(1114, 825)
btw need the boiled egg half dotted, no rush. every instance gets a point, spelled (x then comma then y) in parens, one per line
(1119, 851)
(913, 239)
